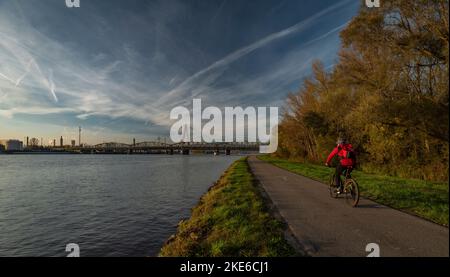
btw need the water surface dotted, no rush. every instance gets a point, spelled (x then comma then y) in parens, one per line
(110, 205)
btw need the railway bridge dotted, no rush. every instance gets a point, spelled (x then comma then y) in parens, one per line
(152, 147)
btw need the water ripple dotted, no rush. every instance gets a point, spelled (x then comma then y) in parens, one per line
(109, 205)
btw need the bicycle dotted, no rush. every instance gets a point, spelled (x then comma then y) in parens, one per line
(350, 190)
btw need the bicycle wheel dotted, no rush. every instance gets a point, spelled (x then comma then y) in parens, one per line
(332, 187)
(352, 192)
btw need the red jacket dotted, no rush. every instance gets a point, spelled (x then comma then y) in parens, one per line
(341, 150)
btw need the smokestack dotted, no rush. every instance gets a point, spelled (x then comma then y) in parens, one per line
(61, 141)
(28, 141)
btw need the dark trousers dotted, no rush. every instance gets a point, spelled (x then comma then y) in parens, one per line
(339, 170)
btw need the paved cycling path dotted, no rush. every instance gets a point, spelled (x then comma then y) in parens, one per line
(329, 227)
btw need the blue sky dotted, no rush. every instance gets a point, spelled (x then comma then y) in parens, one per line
(117, 68)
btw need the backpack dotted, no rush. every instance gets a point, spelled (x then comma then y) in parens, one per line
(348, 151)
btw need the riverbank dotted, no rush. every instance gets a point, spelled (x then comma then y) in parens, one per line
(231, 219)
(429, 200)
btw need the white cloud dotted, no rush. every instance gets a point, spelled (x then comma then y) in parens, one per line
(209, 74)
(39, 75)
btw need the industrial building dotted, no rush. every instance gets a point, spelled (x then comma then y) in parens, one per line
(11, 145)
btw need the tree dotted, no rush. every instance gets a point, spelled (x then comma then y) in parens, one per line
(34, 143)
(388, 93)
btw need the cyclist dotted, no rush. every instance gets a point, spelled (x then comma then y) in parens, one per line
(345, 153)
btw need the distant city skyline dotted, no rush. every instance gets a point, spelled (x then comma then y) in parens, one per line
(117, 68)
(71, 136)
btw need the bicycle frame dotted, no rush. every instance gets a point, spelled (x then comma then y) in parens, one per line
(347, 173)
(348, 184)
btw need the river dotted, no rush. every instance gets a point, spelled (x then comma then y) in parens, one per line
(110, 205)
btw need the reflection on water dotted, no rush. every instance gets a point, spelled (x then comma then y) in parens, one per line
(110, 205)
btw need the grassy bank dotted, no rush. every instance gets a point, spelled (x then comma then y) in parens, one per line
(426, 199)
(231, 219)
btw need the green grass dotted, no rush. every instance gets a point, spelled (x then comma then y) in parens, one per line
(231, 220)
(426, 199)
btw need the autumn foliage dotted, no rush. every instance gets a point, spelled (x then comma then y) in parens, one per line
(388, 94)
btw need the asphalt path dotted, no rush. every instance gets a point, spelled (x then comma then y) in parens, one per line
(329, 227)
